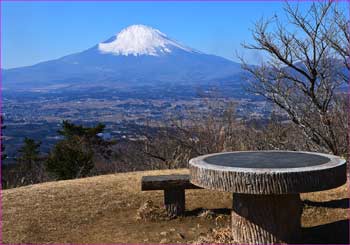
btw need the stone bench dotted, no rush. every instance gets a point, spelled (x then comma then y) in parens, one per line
(174, 190)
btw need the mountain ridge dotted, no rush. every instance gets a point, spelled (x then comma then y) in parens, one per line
(138, 55)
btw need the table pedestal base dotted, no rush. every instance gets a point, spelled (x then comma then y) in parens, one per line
(261, 219)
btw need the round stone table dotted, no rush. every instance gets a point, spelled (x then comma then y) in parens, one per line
(266, 187)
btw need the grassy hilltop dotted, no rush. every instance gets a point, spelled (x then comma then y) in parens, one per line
(104, 209)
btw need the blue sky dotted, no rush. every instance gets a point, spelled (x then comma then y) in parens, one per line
(37, 31)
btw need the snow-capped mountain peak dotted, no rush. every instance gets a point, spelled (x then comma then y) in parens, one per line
(140, 40)
(137, 56)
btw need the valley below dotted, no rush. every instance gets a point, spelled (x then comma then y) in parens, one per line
(126, 112)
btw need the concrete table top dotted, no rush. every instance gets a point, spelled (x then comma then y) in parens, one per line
(268, 172)
(266, 185)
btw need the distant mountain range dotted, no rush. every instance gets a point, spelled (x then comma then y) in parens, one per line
(138, 55)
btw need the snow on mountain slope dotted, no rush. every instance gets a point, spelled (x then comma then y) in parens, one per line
(140, 40)
(138, 55)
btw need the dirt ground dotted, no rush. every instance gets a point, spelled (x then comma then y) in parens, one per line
(103, 209)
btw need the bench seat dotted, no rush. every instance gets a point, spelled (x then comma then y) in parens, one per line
(162, 182)
(174, 190)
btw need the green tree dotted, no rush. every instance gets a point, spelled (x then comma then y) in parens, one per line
(29, 165)
(88, 138)
(2, 152)
(68, 160)
(29, 153)
(3, 155)
(73, 156)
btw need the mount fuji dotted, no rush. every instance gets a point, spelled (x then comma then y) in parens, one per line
(137, 55)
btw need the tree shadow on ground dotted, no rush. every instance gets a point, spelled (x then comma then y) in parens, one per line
(336, 232)
(331, 233)
(340, 203)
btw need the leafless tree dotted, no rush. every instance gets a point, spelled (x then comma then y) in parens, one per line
(337, 31)
(304, 69)
(203, 132)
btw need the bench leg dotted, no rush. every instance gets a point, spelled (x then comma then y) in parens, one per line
(174, 200)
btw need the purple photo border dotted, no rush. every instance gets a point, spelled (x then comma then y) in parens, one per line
(213, 1)
(1, 122)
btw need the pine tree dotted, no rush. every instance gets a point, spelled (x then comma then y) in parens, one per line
(68, 160)
(28, 169)
(3, 155)
(29, 154)
(73, 156)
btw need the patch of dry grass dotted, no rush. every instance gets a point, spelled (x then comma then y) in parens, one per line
(150, 212)
(103, 209)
